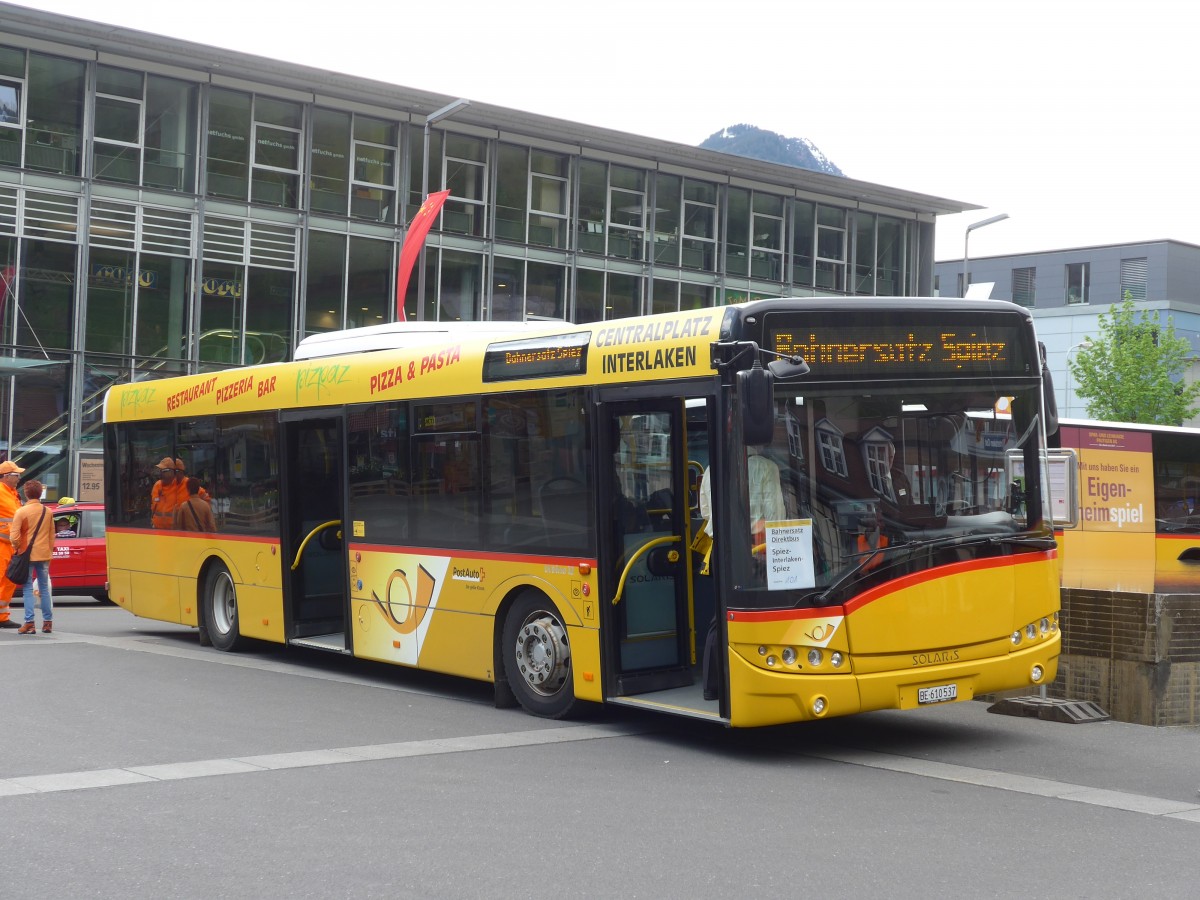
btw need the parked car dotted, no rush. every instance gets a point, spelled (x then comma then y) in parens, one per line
(80, 563)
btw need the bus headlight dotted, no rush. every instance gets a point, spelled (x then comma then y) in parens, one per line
(1016, 638)
(818, 706)
(789, 656)
(1036, 674)
(1044, 625)
(815, 657)
(1031, 630)
(836, 659)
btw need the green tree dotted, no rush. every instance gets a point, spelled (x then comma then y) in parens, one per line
(1133, 372)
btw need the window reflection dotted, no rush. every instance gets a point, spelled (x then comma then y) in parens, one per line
(329, 166)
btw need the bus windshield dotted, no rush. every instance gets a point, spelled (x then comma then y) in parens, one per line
(858, 487)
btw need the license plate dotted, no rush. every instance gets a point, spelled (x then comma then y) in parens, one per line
(939, 694)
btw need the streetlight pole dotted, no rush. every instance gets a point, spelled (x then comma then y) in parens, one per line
(434, 117)
(1086, 342)
(967, 238)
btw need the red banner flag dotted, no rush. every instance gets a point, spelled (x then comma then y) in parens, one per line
(413, 242)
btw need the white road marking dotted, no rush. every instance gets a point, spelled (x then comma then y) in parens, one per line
(72, 781)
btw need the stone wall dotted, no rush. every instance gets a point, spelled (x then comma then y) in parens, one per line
(1135, 655)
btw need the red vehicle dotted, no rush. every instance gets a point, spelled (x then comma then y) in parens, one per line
(80, 563)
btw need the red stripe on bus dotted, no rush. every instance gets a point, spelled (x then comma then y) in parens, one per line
(1184, 538)
(889, 587)
(475, 554)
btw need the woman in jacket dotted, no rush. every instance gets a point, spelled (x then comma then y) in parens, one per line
(24, 524)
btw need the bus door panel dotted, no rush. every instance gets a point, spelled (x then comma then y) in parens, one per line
(313, 535)
(645, 481)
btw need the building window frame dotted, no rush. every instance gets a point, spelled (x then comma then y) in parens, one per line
(373, 189)
(627, 212)
(464, 165)
(1078, 279)
(830, 261)
(766, 236)
(271, 181)
(549, 186)
(699, 225)
(831, 448)
(111, 108)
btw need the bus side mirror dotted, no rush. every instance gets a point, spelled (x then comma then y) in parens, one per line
(1048, 400)
(756, 401)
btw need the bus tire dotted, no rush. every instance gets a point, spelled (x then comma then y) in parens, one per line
(537, 657)
(220, 609)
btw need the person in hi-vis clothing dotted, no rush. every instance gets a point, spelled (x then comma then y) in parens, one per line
(10, 502)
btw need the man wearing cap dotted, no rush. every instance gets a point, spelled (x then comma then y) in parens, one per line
(10, 502)
(165, 495)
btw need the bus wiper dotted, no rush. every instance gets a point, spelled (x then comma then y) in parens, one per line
(1024, 540)
(870, 558)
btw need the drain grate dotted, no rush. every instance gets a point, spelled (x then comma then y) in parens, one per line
(1071, 712)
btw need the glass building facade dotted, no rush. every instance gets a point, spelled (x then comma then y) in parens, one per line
(160, 217)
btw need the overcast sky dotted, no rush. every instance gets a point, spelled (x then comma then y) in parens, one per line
(1078, 119)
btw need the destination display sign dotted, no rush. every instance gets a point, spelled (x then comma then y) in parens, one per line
(540, 357)
(884, 349)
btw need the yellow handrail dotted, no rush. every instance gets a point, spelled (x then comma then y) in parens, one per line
(641, 551)
(308, 537)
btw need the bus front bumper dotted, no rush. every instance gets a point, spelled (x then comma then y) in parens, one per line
(762, 697)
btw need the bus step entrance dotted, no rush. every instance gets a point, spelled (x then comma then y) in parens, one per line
(331, 642)
(658, 680)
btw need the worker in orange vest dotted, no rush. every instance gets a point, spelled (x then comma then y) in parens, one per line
(871, 540)
(10, 502)
(165, 495)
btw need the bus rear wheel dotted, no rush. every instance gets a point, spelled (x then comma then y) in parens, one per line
(220, 609)
(537, 657)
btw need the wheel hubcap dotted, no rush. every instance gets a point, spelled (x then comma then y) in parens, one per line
(543, 654)
(224, 606)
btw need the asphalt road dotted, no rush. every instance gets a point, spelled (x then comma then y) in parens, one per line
(134, 763)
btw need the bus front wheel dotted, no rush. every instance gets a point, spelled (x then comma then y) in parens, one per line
(220, 609)
(537, 657)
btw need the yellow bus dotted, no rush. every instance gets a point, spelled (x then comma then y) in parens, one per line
(843, 501)
(1136, 498)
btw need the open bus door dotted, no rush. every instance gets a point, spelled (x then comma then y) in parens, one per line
(656, 612)
(313, 539)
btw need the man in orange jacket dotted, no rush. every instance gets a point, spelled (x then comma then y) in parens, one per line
(10, 502)
(165, 495)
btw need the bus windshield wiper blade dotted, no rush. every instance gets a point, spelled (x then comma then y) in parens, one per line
(1024, 540)
(867, 559)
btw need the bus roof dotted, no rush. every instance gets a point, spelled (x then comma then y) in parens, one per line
(398, 335)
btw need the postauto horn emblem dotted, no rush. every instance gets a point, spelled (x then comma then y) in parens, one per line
(398, 606)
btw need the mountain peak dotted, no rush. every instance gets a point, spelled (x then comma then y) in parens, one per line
(758, 143)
